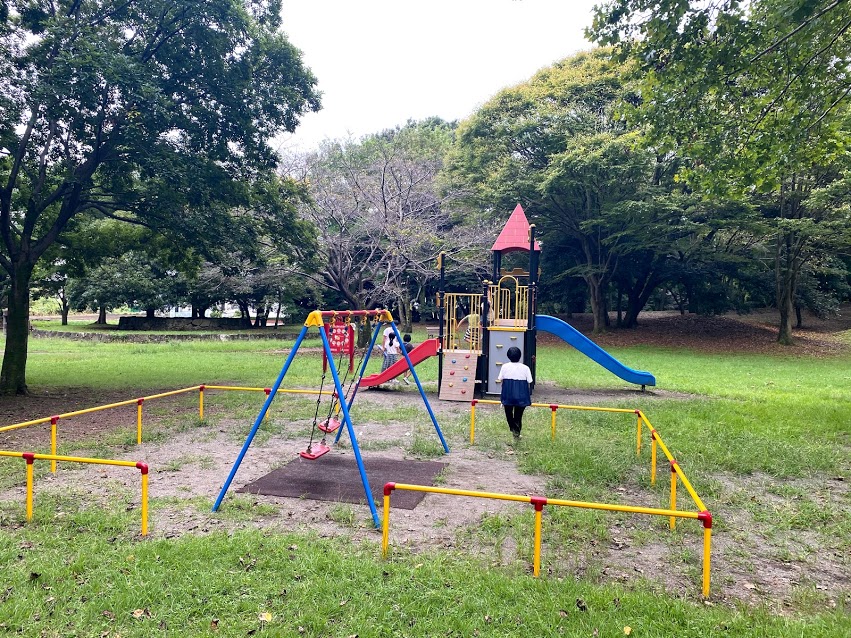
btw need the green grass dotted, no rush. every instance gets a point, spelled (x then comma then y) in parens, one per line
(102, 583)
(760, 437)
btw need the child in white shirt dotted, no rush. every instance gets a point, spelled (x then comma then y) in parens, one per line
(515, 393)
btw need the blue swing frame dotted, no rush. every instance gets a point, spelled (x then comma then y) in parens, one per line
(315, 319)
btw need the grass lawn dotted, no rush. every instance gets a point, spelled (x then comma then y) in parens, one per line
(764, 439)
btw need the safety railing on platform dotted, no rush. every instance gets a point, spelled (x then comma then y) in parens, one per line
(677, 474)
(139, 402)
(463, 328)
(30, 457)
(509, 302)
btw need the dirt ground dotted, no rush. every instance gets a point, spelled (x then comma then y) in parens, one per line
(748, 565)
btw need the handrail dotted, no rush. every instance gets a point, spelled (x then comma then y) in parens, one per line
(139, 402)
(677, 472)
(539, 502)
(29, 457)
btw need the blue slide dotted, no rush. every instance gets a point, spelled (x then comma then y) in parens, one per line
(571, 335)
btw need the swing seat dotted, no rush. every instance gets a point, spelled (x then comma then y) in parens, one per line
(330, 425)
(315, 451)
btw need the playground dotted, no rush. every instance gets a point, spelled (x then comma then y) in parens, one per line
(190, 462)
(772, 473)
(779, 508)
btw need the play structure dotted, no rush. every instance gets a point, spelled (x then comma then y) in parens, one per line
(476, 330)
(343, 400)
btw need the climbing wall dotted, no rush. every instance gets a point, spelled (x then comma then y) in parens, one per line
(459, 376)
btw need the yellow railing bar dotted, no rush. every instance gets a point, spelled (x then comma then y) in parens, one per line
(539, 502)
(139, 401)
(658, 438)
(552, 406)
(631, 509)
(280, 390)
(29, 457)
(98, 408)
(170, 393)
(448, 490)
(565, 407)
(673, 521)
(76, 459)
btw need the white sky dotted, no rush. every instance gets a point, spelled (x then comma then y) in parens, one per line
(382, 62)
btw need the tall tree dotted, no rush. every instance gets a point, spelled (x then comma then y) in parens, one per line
(755, 94)
(382, 218)
(557, 143)
(106, 101)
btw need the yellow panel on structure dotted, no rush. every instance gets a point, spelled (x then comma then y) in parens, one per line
(314, 319)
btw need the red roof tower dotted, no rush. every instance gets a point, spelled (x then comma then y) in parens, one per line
(515, 234)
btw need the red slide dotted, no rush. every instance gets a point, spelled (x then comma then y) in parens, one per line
(426, 349)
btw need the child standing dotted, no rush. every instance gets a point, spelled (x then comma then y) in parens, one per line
(408, 347)
(390, 350)
(515, 393)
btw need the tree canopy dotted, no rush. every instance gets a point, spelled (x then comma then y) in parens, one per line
(157, 112)
(382, 217)
(754, 95)
(558, 144)
(750, 91)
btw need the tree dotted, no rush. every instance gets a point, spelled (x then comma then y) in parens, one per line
(382, 219)
(109, 106)
(132, 280)
(754, 94)
(558, 144)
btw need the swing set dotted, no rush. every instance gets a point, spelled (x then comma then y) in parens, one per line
(341, 403)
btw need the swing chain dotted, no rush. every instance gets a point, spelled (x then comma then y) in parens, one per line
(316, 412)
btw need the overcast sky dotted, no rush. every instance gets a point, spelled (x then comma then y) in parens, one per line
(381, 62)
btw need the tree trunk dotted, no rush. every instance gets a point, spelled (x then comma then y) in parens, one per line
(278, 315)
(245, 320)
(637, 298)
(785, 304)
(64, 308)
(786, 314)
(13, 377)
(598, 304)
(786, 272)
(405, 323)
(101, 321)
(149, 313)
(619, 323)
(262, 316)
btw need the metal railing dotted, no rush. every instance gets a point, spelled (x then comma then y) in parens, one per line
(509, 303)
(30, 457)
(461, 306)
(139, 402)
(677, 474)
(539, 502)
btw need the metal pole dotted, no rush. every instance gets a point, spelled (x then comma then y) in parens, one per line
(348, 420)
(420, 388)
(441, 302)
(259, 419)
